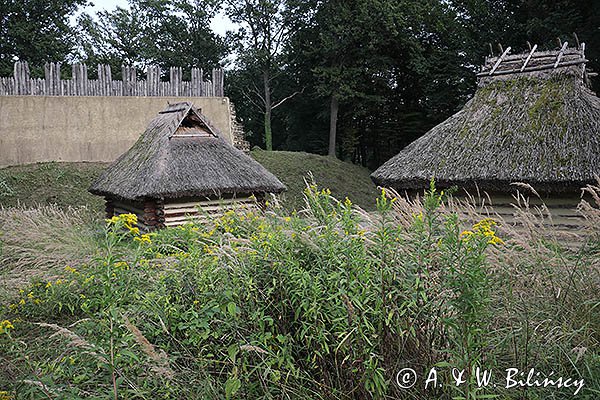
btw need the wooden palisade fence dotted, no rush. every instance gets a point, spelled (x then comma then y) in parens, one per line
(21, 82)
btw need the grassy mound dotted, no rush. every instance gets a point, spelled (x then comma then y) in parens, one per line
(66, 184)
(62, 184)
(342, 178)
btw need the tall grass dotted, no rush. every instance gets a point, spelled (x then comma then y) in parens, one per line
(330, 302)
(39, 242)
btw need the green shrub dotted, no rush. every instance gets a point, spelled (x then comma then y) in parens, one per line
(328, 302)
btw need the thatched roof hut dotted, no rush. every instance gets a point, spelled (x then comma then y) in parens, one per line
(532, 119)
(181, 163)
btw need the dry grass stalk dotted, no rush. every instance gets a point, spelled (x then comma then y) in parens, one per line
(159, 358)
(74, 340)
(256, 349)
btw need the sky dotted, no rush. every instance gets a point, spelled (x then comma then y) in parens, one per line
(219, 24)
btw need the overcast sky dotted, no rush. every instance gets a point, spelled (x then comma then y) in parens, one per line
(220, 24)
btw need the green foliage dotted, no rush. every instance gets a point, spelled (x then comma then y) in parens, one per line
(327, 302)
(36, 31)
(264, 28)
(343, 178)
(168, 34)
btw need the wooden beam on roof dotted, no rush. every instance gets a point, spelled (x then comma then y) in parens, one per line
(500, 60)
(536, 68)
(528, 57)
(560, 54)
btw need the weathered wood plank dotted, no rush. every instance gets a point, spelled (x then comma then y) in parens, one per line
(20, 83)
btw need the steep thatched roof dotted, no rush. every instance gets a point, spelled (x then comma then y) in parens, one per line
(181, 155)
(537, 123)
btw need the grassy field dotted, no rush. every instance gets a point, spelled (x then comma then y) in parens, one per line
(65, 184)
(328, 303)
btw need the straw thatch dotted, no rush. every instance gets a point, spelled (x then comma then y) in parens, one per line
(539, 125)
(181, 155)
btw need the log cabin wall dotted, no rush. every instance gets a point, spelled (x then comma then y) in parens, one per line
(149, 213)
(559, 213)
(179, 211)
(155, 214)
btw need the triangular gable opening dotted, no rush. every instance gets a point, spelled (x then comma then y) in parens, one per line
(193, 125)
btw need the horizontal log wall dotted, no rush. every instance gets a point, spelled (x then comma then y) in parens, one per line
(558, 214)
(179, 213)
(21, 82)
(155, 214)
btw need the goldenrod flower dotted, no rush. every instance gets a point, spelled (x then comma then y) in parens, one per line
(113, 220)
(145, 238)
(5, 395)
(5, 326)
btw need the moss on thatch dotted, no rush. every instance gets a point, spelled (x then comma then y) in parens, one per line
(542, 129)
(164, 165)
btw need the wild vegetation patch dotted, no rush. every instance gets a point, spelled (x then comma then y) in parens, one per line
(328, 302)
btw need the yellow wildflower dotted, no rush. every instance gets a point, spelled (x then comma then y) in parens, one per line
(5, 395)
(145, 238)
(70, 269)
(484, 228)
(5, 326)
(48, 285)
(129, 219)
(495, 240)
(121, 264)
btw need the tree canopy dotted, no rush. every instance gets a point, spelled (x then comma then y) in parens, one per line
(356, 79)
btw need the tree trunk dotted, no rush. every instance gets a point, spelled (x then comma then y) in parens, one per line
(268, 108)
(333, 115)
